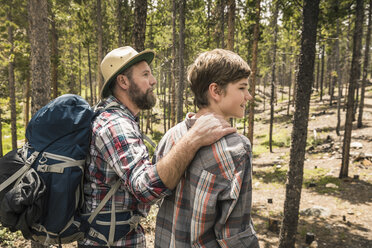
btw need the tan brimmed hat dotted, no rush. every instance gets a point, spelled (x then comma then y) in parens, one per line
(117, 61)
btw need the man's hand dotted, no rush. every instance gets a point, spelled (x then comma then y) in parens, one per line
(209, 128)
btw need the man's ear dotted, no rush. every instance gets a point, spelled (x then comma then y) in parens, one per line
(214, 91)
(122, 81)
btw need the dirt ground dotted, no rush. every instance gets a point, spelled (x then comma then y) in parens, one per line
(338, 213)
(346, 220)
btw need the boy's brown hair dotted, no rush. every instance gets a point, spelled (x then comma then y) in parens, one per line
(217, 66)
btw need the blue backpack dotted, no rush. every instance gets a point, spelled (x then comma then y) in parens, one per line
(41, 183)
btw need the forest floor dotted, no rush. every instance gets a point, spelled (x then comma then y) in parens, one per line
(336, 211)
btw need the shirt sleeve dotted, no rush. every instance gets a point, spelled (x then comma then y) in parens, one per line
(121, 145)
(234, 227)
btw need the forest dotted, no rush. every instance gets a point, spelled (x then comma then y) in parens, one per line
(309, 123)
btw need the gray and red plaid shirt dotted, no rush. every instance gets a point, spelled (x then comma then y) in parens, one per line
(211, 206)
(117, 151)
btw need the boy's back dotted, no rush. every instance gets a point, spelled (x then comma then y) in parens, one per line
(211, 205)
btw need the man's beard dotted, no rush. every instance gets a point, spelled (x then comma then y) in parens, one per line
(142, 100)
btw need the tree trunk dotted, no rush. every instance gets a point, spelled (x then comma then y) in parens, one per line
(322, 74)
(365, 67)
(99, 44)
(12, 96)
(26, 107)
(231, 24)
(172, 87)
(54, 56)
(71, 82)
(139, 30)
(181, 82)
(252, 86)
(339, 86)
(120, 22)
(90, 76)
(354, 77)
(305, 79)
(221, 32)
(40, 57)
(273, 77)
(79, 70)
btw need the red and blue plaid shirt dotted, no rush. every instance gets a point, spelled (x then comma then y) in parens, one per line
(117, 151)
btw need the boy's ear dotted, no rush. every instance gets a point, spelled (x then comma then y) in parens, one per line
(214, 91)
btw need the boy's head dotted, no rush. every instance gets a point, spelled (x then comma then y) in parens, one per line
(217, 66)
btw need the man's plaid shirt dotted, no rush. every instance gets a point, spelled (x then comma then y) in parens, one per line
(211, 206)
(117, 151)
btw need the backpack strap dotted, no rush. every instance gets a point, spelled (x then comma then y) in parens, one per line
(22, 170)
(104, 201)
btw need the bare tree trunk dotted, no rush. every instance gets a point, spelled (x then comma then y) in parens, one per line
(99, 44)
(54, 56)
(322, 74)
(273, 77)
(119, 22)
(139, 31)
(79, 90)
(40, 57)
(71, 82)
(12, 96)
(172, 87)
(90, 76)
(252, 86)
(338, 70)
(221, 32)
(354, 77)
(231, 24)
(365, 67)
(181, 83)
(26, 108)
(305, 80)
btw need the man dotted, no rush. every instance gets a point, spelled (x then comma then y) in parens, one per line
(211, 205)
(118, 156)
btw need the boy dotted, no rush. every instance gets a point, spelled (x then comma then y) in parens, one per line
(211, 206)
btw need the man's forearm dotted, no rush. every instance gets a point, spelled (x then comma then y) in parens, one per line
(172, 166)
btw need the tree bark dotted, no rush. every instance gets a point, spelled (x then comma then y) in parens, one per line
(273, 76)
(221, 31)
(90, 76)
(322, 74)
(172, 87)
(338, 78)
(181, 82)
(231, 24)
(99, 44)
(54, 56)
(354, 77)
(139, 31)
(252, 86)
(305, 80)
(119, 22)
(365, 67)
(40, 57)
(12, 96)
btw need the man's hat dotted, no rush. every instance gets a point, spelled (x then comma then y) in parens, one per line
(117, 61)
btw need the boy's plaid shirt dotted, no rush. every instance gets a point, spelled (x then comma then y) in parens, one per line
(211, 206)
(117, 151)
